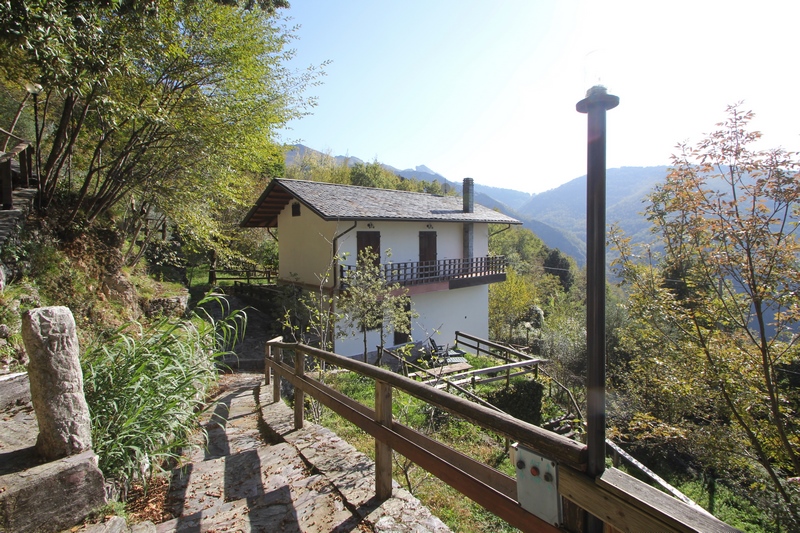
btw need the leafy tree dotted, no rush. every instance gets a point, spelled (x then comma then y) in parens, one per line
(560, 266)
(713, 319)
(315, 166)
(174, 104)
(370, 302)
(522, 249)
(510, 302)
(373, 175)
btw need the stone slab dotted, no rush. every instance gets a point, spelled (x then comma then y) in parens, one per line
(353, 475)
(43, 498)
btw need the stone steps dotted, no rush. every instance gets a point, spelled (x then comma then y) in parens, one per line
(256, 474)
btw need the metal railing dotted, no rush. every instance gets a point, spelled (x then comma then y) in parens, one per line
(420, 272)
(622, 502)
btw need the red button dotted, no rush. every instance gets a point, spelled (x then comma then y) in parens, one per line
(534, 471)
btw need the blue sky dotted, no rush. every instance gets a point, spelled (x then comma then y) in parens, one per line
(488, 89)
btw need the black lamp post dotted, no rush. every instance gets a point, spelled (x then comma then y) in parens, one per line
(595, 105)
(34, 89)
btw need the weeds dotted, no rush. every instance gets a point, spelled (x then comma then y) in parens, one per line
(146, 390)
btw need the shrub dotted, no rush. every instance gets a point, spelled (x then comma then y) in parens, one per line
(523, 400)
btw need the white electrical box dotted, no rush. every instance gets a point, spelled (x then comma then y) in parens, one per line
(537, 484)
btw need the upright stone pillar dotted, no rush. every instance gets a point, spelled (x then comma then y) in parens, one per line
(56, 382)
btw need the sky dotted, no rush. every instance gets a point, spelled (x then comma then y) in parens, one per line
(488, 89)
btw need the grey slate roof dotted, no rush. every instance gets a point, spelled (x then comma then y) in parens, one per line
(333, 201)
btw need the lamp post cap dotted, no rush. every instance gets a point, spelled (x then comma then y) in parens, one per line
(33, 88)
(597, 96)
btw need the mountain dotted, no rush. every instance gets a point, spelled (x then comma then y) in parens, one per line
(298, 151)
(564, 207)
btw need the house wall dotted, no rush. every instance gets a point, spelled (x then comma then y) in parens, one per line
(306, 262)
(446, 312)
(403, 240)
(305, 245)
(441, 314)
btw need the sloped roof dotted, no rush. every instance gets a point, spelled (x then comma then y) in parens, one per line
(333, 201)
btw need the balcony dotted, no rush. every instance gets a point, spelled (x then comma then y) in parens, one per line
(457, 273)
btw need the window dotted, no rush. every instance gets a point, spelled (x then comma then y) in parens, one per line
(369, 239)
(295, 209)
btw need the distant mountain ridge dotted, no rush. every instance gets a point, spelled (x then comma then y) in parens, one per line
(557, 216)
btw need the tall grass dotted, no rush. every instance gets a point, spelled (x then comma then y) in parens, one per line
(146, 389)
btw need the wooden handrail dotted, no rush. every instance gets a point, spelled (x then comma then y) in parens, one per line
(521, 355)
(622, 502)
(552, 445)
(491, 488)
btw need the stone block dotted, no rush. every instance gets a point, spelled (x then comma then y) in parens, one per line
(56, 379)
(53, 496)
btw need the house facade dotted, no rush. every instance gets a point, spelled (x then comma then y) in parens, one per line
(439, 250)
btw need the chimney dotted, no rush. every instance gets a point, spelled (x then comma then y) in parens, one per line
(468, 192)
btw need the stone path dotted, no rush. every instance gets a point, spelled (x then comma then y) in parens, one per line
(256, 474)
(10, 219)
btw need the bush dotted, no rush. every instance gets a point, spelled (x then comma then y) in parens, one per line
(146, 391)
(523, 400)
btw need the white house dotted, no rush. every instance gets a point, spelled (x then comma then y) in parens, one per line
(439, 249)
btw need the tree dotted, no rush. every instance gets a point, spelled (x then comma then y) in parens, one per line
(175, 104)
(714, 318)
(523, 250)
(509, 303)
(373, 175)
(315, 166)
(560, 266)
(370, 302)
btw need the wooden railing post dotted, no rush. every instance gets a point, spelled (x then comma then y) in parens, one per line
(267, 368)
(24, 167)
(299, 395)
(276, 383)
(383, 452)
(5, 184)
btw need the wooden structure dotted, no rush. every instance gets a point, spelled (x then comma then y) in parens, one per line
(620, 501)
(489, 269)
(243, 275)
(24, 153)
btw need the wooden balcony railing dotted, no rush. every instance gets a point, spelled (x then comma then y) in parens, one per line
(622, 502)
(420, 272)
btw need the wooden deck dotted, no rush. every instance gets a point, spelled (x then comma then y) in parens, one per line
(441, 371)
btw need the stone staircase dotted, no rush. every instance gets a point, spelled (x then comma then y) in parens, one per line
(255, 473)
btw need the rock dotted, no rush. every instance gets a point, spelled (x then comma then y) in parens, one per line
(5, 331)
(14, 391)
(114, 524)
(144, 527)
(56, 379)
(119, 288)
(53, 496)
(172, 306)
(2, 277)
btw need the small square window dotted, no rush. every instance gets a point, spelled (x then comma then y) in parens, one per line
(296, 209)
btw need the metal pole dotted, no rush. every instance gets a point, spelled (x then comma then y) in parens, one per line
(596, 103)
(38, 152)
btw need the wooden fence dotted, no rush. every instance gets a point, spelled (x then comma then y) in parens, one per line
(24, 152)
(623, 503)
